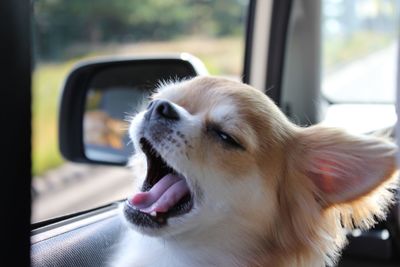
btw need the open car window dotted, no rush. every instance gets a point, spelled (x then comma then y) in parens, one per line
(65, 32)
(304, 100)
(346, 66)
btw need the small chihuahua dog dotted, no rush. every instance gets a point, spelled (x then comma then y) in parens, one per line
(223, 178)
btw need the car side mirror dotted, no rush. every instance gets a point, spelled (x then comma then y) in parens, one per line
(98, 97)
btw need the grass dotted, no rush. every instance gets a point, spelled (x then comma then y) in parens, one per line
(221, 56)
(46, 86)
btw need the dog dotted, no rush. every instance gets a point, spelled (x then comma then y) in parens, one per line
(223, 178)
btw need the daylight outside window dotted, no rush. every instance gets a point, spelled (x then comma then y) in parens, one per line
(67, 31)
(359, 50)
(359, 57)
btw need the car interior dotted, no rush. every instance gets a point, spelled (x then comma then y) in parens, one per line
(282, 57)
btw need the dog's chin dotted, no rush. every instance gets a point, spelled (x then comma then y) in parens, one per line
(157, 223)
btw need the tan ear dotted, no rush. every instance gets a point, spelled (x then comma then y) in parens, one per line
(344, 167)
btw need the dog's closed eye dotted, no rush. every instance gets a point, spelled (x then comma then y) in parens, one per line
(224, 137)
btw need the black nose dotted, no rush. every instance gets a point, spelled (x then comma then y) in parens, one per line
(162, 109)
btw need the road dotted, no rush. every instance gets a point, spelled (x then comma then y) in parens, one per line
(369, 79)
(94, 186)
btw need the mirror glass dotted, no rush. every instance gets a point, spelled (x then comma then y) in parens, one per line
(115, 94)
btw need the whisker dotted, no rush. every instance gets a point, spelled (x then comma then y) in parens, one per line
(129, 142)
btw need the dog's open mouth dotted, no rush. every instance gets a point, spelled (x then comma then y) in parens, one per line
(165, 193)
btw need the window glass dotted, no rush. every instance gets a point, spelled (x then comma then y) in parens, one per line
(359, 50)
(67, 31)
(340, 64)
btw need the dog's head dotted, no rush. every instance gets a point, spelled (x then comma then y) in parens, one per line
(219, 154)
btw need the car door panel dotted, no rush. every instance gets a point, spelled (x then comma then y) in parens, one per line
(86, 240)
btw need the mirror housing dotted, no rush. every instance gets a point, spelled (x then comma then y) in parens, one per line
(146, 73)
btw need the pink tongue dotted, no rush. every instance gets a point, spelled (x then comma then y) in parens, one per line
(162, 196)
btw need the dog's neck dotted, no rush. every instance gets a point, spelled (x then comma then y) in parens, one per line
(217, 247)
(221, 246)
(226, 245)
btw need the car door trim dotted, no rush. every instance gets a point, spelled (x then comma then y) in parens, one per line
(73, 223)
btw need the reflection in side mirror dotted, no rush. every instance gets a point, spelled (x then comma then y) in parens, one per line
(105, 121)
(100, 97)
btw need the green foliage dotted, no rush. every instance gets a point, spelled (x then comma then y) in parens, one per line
(46, 85)
(65, 29)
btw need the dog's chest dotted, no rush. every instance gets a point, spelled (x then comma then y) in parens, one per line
(142, 251)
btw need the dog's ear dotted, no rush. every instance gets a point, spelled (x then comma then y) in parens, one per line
(344, 167)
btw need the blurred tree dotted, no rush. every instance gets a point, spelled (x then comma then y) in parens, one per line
(61, 27)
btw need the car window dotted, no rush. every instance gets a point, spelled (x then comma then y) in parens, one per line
(65, 32)
(359, 44)
(340, 64)
(359, 50)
